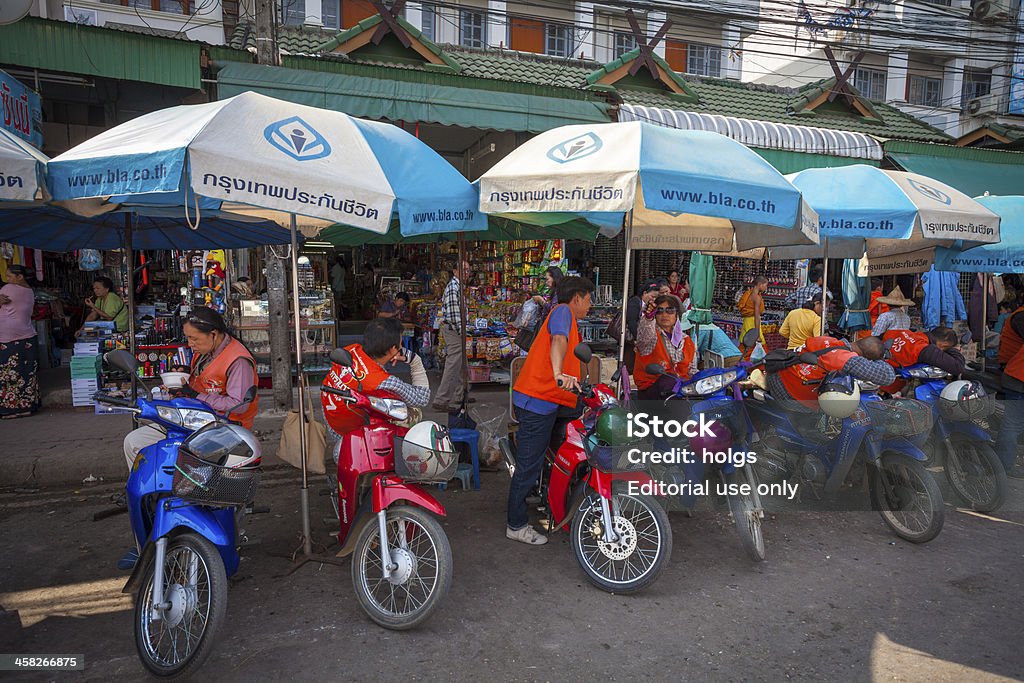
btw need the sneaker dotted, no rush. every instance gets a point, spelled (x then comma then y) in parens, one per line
(129, 560)
(1016, 472)
(527, 535)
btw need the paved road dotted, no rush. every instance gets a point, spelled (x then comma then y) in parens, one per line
(839, 599)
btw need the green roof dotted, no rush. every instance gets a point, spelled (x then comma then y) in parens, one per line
(714, 96)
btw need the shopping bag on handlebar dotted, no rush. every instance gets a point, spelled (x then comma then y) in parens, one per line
(316, 439)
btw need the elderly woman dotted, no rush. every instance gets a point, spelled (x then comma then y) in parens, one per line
(19, 385)
(106, 305)
(896, 317)
(662, 338)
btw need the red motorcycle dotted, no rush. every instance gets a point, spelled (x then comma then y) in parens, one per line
(402, 563)
(621, 538)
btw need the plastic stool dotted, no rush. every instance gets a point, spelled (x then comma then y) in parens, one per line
(471, 437)
(463, 473)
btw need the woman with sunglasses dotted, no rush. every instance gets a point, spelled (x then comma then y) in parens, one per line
(222, 372)
(663, 338)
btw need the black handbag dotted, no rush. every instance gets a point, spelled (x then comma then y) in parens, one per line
(524, 338)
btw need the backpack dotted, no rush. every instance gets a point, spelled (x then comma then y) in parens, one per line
(780, 359)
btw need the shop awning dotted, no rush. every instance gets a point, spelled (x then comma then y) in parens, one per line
(972, 171)
(786, 161)
(498, 230)
(408, 100)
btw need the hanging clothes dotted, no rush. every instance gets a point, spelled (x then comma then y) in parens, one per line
(974, 314)
(942, 303)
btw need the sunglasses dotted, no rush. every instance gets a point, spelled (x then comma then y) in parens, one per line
(663, 309)
(203, 325)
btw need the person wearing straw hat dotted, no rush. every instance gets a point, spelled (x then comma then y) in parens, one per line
(896, 318)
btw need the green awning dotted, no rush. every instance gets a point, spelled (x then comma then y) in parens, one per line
(378, 98)
(786, 161)
(498, 230)
(972, 171)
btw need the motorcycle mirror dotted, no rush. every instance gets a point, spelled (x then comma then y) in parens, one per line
(122, 360)
(342, 357)
(655, 369)
(750, 338)
(583, 353)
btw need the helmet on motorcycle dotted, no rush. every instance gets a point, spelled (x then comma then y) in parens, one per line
(226, 445)
(613, 428)
(838, 395)
(427, 454)
(605, 444)
(964, 400)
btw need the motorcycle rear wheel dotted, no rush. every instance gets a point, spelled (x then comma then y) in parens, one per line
(423, 554)
(907, 497)
(746, 515)
(196, 585)
(634, 562)
(975, 473)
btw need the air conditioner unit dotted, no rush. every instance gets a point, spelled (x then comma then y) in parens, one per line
(992, 10)
(77, 15)
(980, 106)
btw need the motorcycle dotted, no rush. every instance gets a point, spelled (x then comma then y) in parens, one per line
(971, 465)
(402, 560)
(722, 401)
(881, 441)
(621, 541)
(185, 496)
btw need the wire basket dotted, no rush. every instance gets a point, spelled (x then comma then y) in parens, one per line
(967, 409)
(203, 482)
(609, 458)
(899, 416)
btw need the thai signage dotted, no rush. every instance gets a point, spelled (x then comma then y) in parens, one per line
(22, 111)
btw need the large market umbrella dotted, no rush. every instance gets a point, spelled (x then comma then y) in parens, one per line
(21, 169)
(702, 287)
(674, 189)
(277, 155)
(499, 229)
(856, 297)
(1005, 256)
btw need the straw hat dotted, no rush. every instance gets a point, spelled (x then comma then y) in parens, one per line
(895, 298)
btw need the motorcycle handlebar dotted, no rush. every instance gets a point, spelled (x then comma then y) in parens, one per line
(584, 389)
(100, 397)
(343, 393)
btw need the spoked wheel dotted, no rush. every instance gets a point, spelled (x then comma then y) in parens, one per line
(907, 497)
(975, 473)
(642, 547)
(174, 642)
(421, 558)
(747, 514)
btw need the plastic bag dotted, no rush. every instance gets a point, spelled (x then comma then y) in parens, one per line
(758, 353)
(490, 422)
(90, 259)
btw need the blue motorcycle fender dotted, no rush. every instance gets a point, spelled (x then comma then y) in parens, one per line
(897, 444)
(970, 430)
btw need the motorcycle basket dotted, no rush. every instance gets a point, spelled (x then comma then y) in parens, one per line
(201, 481)
(970, 409)
(899, 417)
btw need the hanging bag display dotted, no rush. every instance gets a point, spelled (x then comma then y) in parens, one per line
(316, 438)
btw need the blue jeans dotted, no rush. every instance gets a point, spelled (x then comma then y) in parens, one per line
(531, 442)
(1011, 428)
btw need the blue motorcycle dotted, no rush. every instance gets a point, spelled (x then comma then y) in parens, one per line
(716, 393)
(184, 496)
(881, 441)
(972, 467)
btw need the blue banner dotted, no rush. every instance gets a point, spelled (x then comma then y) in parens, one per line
(22, 110)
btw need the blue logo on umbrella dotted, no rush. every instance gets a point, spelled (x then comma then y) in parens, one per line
(297, 139)
(930, 192)
(575, 148)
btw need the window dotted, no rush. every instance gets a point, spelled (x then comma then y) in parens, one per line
(428, 21)
(293, 12)
(472, 28)
(558, 40)
(924, 91)
(171, 6)
(870, 83)
(704, 60)
(331, 11)
(624, 42)
(976, 84)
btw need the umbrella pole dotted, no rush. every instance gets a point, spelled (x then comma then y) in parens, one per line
(464, 314)
(625, 286)
(129, 255)
(984, 317)
(307, 546)
(824, 289)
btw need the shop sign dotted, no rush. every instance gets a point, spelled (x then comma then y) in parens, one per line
(22, 110)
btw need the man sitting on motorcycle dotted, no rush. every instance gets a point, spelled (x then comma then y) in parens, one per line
(543, 398)
(796, 387)
(382, 344)
(937, 347)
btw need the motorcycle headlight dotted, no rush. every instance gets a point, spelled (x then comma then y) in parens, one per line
(710, 385)
(186, 418)
(928, 372)
(390, 407)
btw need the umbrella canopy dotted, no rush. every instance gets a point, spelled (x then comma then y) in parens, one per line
(21, 168)
(1006, 256)
(702, 286)
(856, 297)
(890, 214)
(54, 229)
(499, 229)
(257, 150)
(686, 189)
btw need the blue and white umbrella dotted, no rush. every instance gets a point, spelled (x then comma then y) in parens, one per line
(21, 169)
(1006, 256)
(277, 155)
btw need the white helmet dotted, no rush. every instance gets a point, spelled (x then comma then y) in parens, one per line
(964, 400)
(226, 445)
(838, 396)
(427, 454)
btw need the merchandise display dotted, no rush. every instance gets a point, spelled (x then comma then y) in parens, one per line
(318, 331)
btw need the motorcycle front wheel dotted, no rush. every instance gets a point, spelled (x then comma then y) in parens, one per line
(975, 473)
(907, 497)
(746, 514)
(176, 641)
(422, 557)
(642, 548)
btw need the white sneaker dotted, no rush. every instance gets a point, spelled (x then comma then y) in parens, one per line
(527, 535)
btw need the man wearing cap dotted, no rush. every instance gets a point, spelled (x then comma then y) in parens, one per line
(802, 323)
(896, 317)
(663, 338)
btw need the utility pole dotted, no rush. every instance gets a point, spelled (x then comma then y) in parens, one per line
(266, 44)
(280, 348)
